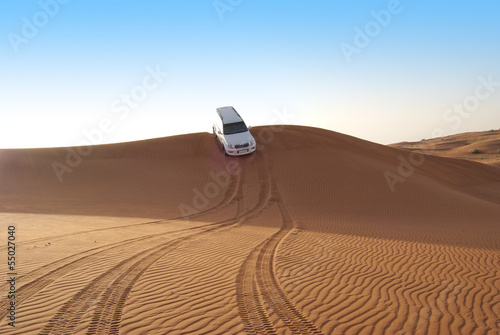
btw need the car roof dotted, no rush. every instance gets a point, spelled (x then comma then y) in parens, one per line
(229, 115)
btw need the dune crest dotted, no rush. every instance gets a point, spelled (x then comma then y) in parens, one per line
(483, 147)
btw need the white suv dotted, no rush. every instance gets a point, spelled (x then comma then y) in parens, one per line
(232, 133)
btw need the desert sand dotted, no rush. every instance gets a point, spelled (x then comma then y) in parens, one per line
(460, 146)
(315, 233)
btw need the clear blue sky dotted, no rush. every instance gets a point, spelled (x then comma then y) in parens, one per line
(69, 66)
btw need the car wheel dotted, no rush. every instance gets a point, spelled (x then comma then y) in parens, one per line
(223, 149)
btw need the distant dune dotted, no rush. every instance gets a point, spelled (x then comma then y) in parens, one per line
(460, 145)
(315, 233)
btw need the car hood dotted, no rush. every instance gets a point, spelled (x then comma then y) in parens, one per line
(239, 138)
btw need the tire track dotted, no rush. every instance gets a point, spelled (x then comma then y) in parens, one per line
(250, 303)
(192, 289)
(107, 317)
(109, 291)
(63, 236)
(40, 278)
(257, 285)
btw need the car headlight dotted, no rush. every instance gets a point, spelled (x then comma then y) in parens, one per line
(252, 142)
(230, 146)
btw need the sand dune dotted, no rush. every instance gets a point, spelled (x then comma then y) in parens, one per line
(460, 146)
(315, 233)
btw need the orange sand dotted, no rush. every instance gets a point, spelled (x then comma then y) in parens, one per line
(460, 145)
(303, 237)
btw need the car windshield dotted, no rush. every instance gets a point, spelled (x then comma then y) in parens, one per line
(233, 128)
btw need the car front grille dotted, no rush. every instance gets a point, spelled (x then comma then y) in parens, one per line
(244, 145)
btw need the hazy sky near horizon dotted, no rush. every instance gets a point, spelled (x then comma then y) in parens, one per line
(385, 71)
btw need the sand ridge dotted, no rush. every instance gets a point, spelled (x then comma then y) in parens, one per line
(306, 237)
(460, 146)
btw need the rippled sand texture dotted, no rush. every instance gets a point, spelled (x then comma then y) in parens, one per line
(306, 236)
